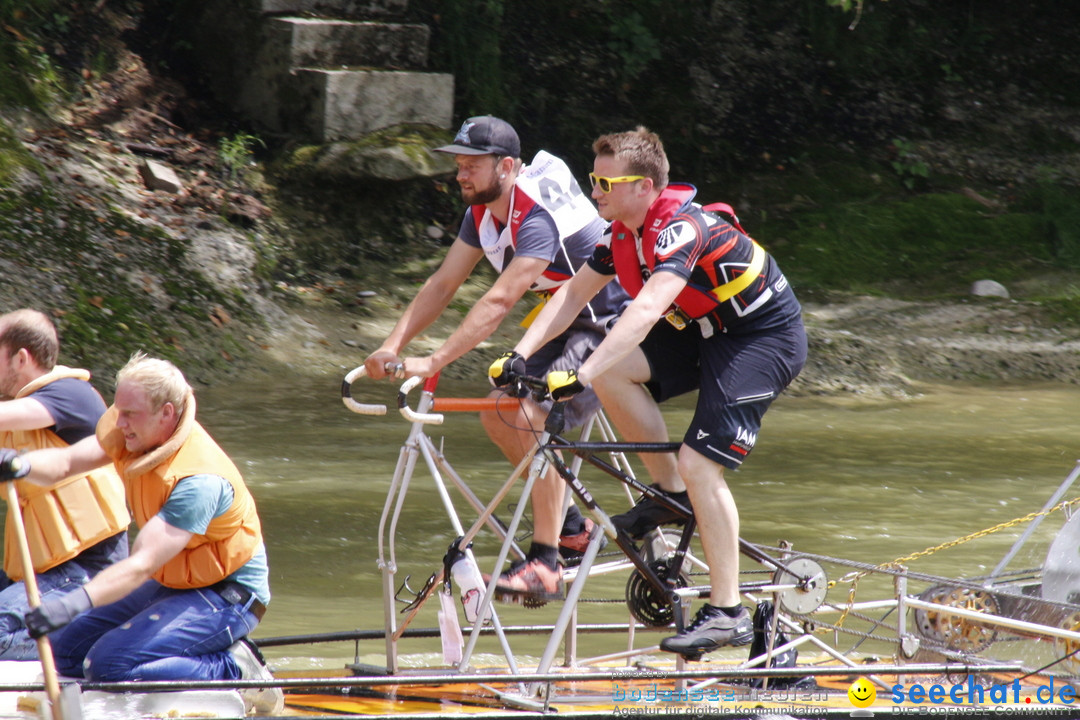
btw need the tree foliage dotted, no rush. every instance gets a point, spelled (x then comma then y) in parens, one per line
(726, 80)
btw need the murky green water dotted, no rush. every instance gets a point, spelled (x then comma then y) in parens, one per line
(863, 480)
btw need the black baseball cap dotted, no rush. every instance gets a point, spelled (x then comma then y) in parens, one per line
(484, 135)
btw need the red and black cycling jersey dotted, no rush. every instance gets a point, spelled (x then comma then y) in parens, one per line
(711, 254)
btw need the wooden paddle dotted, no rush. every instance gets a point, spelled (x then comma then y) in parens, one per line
(48, 664)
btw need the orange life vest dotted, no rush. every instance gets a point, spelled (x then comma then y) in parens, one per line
(231, 538)
(68, 517)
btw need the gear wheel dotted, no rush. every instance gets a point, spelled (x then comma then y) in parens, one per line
(1070, 649)
(956, 633)
(806, 598)
(647, 605)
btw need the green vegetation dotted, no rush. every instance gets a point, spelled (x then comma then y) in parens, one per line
(115, 285)
(911, 168)
(238, 152)
(934, 244)
(14, 159)
(847, 223)
(29, 74)
(472, 49)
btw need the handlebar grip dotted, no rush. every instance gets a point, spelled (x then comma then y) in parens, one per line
(346, 394)
(410, 414)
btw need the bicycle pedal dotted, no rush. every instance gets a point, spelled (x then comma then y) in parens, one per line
(526, 601)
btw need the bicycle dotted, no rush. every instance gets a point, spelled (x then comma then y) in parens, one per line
(658, 589)
(418, 444)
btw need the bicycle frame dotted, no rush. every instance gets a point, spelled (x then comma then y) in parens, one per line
(545, 453)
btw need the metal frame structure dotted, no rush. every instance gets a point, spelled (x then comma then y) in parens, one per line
(949, 627)
(564, 630)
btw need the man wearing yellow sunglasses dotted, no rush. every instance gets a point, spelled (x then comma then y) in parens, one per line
(712, 312)
(537, 228)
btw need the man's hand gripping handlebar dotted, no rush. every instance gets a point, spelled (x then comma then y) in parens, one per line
(520, 385)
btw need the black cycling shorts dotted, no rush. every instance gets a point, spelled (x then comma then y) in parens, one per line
(738, 377)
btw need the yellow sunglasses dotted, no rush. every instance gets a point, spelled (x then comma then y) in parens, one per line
(605, 183)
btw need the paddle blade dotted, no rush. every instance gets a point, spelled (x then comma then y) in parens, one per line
(71, 705)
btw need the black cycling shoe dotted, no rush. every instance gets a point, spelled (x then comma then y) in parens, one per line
(649, 514)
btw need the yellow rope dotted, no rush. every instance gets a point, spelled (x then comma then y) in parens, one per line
(900, 561)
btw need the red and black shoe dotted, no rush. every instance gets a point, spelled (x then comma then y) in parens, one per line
(531, 583)
(572, 547)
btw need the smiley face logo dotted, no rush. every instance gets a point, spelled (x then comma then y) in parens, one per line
(862, 693)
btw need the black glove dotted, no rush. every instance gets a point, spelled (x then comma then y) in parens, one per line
(55, 613)
(505, 366)
(563, 384)
(12, 467)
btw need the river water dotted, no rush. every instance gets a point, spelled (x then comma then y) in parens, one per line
(866, 480)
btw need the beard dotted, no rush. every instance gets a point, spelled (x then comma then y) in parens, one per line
(482, 196)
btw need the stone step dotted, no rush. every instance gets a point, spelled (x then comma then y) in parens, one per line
(332, 105)
(319, 69)
(334, 8)
(307, 42)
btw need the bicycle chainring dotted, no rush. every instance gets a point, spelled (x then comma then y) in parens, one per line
(647, 605)
(956, 633)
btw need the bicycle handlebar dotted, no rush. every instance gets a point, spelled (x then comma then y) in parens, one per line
(407, 412)
(346, 394)
(536, 386)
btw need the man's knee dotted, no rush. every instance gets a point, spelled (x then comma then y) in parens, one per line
(491, 420)
(502, 424)
(697, 469)
(630, 372)
(11, 627)
(612, 386)
(67, 663)
(103, 663)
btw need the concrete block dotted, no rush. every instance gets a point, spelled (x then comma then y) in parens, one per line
(159, 177)
(334, 8)
(320, 43)
(332, 105)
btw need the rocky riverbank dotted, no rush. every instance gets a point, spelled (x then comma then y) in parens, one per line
(860, 346)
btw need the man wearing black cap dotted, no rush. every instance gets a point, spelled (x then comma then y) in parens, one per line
(536, 227)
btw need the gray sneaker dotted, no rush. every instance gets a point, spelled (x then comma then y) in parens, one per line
(711, 630)
(262, 701)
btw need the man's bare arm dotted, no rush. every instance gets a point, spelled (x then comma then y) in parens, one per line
(429, 303)
(24, 414)
(156, 544)
(484, 317)
(634, 324)
(52, 465)
(562, 308)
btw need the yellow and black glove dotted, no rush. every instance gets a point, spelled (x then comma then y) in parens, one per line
(505, 368)
(563, 384)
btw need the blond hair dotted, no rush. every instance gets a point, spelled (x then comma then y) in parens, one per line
(641, 151)
(160, 380)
